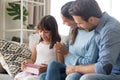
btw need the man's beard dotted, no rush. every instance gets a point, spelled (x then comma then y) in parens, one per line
(92, 28)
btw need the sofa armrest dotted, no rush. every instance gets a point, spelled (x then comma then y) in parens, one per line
(5, 77)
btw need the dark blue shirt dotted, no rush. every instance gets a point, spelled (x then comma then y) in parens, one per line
(108, 41)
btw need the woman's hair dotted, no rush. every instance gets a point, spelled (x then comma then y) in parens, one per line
(49, 23)
(85, 9)
(65, 10)
(65, 13)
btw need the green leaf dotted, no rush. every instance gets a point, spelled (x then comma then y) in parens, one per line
(17, 17)
(25, 12)
(12, 5)
(14, 10)
(12, 14)
(9, 9)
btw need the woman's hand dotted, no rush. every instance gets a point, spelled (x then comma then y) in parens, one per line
(61, 48)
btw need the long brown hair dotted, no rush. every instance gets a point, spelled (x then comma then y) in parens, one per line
(73, 35)
(65, 13)
(49, 23)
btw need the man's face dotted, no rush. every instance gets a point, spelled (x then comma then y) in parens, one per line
(83, 24)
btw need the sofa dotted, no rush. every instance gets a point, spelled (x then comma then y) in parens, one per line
(4, 75)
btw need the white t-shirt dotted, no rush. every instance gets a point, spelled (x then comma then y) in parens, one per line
(44, 54)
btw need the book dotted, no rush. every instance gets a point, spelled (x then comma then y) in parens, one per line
(33, 69)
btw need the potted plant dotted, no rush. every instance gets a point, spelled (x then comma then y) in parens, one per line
(15, 11)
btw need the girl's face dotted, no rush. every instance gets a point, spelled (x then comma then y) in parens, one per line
(45, 35)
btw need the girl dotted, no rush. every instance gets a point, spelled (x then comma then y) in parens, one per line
(43, 51)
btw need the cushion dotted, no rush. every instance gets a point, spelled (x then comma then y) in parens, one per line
(11, 56)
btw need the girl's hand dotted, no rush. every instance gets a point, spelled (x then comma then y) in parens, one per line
(43, 68)
(25, 62)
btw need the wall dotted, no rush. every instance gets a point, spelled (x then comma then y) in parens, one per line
(1, 19)
(55, 11)
(111, 7)
(115, 9)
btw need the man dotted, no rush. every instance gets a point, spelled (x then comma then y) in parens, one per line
(89, 16)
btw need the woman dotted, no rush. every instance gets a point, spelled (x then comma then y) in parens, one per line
(82, 49)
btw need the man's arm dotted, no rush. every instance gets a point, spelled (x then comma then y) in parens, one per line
(83, 69)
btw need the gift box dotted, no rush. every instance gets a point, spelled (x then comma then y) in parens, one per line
(32, 68)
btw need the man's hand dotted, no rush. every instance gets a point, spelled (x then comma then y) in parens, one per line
(70, 69)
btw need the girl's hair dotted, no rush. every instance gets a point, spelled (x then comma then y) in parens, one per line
(49, 23)
(65, 13)
(85, 9)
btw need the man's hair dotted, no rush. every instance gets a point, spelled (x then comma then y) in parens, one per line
(85, 9)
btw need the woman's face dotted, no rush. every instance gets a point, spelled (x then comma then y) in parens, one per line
(45, 35)
(68, 22)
